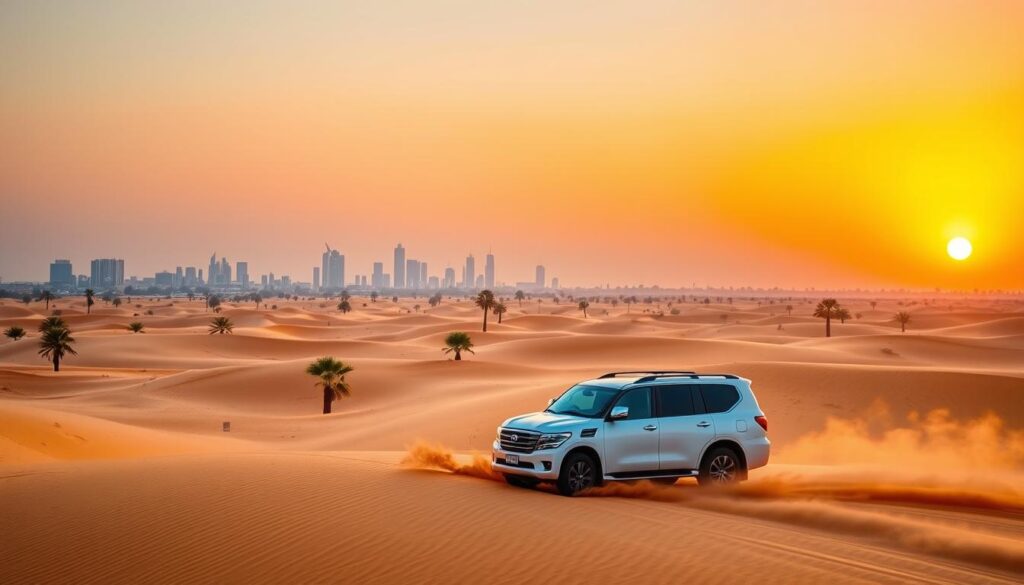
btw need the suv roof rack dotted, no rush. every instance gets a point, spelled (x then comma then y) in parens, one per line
(654, 372)
(691, 375)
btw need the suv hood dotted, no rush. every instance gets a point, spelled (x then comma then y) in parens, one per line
(548, 422)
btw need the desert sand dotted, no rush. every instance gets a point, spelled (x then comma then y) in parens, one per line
(897, 457)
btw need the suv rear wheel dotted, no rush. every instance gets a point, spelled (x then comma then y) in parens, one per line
(720, 467)
(579, 472)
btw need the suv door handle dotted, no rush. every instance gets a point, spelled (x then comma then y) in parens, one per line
(650, 428)
(703, 424)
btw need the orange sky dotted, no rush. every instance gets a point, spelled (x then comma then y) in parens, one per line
(728, 143)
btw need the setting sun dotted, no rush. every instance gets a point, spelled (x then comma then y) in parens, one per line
(959, 248)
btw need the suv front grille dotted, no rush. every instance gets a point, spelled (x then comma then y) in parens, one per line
(519, 441)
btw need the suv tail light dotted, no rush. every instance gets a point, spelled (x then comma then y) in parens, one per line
(762, 421)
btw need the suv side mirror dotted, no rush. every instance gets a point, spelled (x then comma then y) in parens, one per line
(619, 413)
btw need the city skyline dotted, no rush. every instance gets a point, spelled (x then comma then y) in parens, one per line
(329, 275)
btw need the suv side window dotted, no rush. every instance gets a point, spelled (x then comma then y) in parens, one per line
(639, 402)
(719, 397)
(676, 400)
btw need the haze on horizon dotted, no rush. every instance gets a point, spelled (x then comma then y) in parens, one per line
(727, 143)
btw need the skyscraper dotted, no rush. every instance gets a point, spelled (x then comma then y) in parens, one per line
(449, 278)
(179, 277)
(336, 277)
(190, 276)
(333, 274)
(211, 274)
(316, 278)
(554, 283)
(242, 273)
(541, 280)
(224, 272)
(61, 274)
(469, 277)
(399, 267)
(489, 272)
(106, 273)
(377, 279)
(412, 274)
(423, 275)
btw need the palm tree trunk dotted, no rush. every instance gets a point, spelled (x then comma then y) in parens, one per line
(485, 319)
(903, 327)
(328, 398)
(458, 355)
(828, 326)
(56, 362)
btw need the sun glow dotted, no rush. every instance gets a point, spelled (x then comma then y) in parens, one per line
(959, 248)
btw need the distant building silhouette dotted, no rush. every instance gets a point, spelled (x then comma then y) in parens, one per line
(164, 279)
(61, 274)
(399, 267)
(316, 278)
(412, 274)
(377, 278)
(541, 281)
(449, 278)
(554, 283)
(469, 274)
(333, 273)
(242, 273)
(106, 273)
(489, 272)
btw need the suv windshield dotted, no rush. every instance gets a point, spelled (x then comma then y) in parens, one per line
(580, 400)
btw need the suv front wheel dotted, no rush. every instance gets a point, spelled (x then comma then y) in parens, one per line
(579, 472)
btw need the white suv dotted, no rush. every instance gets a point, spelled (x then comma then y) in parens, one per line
(659, 425)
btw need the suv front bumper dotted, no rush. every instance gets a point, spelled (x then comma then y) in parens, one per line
(543, 464)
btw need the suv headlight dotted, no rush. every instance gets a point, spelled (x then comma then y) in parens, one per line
(552, 440)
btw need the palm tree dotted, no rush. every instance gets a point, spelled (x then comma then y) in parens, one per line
(485, 300)
(116, 302)
(89, 300)
(873, 304)
(53, 322)
(332, 378)
(221, 325)
(256, 298)
(789, 310)
(14, 333)
(373, 296)
(55, 343)
(499, 310)
(136, 327)
(842, 313)
(583, 305)
(458, 342)
(344, 306)
(826, 309)
(46, 296)
(212, 302)
(903, 318)
(520, 295)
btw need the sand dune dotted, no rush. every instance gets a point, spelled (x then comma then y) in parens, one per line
(889, 464)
